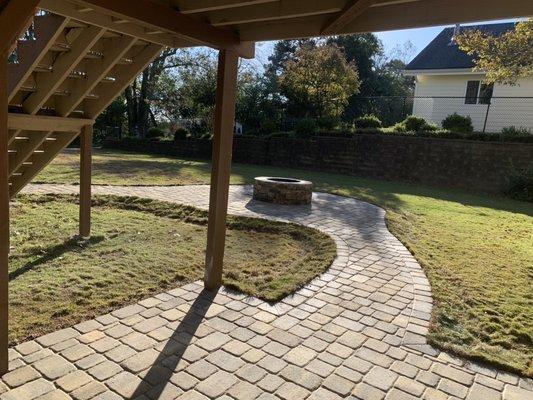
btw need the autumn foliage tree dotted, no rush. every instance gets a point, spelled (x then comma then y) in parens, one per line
(505, 58)
(318, 81)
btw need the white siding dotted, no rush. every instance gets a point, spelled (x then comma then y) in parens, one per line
(501, 113)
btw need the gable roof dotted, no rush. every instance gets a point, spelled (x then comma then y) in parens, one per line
(443, 53)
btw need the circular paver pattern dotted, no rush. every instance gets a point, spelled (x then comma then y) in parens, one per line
(357, 331)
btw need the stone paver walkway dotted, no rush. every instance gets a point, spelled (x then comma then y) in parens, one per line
(357, 331)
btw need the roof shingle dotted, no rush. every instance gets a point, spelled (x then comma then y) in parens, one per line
(443, 53)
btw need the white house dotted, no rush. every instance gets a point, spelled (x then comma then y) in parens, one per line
(446, 83)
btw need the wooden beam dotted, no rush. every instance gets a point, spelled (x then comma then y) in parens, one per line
(15, 17)
(157, 16)
(197, 6)
(47, 83)
(124, 75)
(45, 123)
(352, 10)
(275, 11)
(220, 173)
(437, 12)
(109, 22)
(86, 143)
(391, 15)
(96, 70)
(4, 216)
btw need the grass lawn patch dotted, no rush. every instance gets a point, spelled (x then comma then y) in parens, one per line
(140, 247)
(476, 250)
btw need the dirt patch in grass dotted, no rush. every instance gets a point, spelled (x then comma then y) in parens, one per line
(140, 247)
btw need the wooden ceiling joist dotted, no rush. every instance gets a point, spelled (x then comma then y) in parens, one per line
(423, 13)
(352, 10)
(274, 11)
(156, 16)
(389, 15)
(119, 25)
(198, 6)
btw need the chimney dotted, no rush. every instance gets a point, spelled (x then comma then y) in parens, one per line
(456, 31)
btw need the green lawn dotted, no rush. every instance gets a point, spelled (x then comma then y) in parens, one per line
(140, 247)
(476, 250)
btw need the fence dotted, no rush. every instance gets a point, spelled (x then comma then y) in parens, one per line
(487, 114)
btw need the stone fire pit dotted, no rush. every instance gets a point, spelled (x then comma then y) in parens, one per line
(286, 191)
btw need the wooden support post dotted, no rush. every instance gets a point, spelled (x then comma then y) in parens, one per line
(4, 217)
(221, 168)
(86, 142)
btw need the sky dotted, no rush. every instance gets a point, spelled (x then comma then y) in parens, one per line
(419, 37)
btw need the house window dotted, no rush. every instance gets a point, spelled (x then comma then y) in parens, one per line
(478, 93)
(472, 89)
(485, 93)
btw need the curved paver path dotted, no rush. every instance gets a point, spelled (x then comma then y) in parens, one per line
(357, 331)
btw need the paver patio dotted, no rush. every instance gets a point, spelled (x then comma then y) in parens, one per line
(357, 331)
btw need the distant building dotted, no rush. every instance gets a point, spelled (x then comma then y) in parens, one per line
(446, 83)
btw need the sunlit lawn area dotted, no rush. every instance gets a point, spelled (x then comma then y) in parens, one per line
(477, 250)
(140, 247)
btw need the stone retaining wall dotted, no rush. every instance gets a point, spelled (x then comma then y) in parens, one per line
(463, 164)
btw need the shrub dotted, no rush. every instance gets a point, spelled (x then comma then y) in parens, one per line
(305, 128)
(399, 128)
(181, 134)
(155, 133)
(367, 121)
(267, 127)
(280, 135)
(458, 123)
(327, 123)
(414, 124)
(521, 185)
(513, 131)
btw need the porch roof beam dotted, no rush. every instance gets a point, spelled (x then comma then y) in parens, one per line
(157, 16)
(352, 10)
(108, 22)
(197, 6)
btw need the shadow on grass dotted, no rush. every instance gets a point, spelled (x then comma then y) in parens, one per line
(170, 356)
(53, 252)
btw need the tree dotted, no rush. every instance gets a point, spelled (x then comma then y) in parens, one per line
(319, 81)
(284, 51)
(362, 50)
(257, 108)
(139, 94)
(380, 74)
(505, 58)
